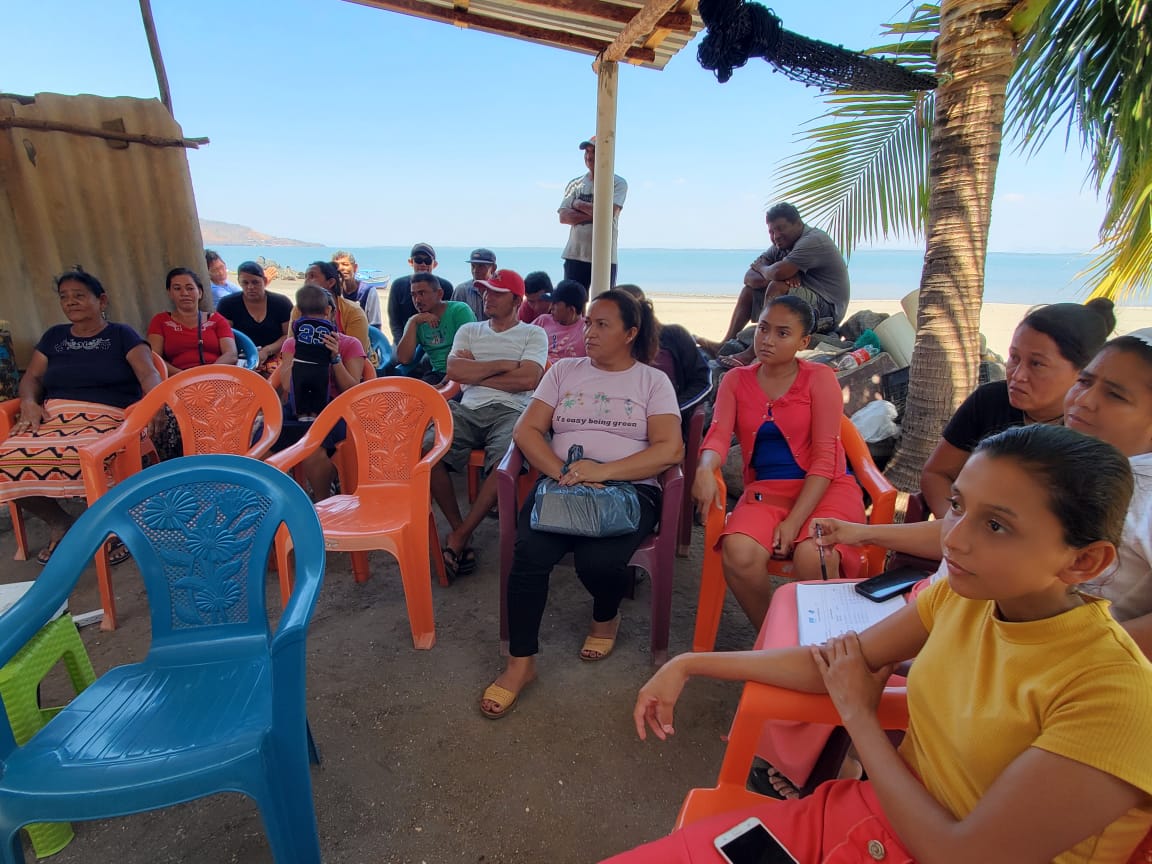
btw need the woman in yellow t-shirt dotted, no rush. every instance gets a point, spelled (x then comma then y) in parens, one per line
(1030, 733)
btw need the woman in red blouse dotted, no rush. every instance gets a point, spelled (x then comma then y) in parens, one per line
(786, 414)
(187, 336)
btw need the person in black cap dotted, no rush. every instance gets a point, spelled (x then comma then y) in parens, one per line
(483, 263)
(400, 307)
(576, 211)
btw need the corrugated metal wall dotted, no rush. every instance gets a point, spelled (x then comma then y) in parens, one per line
(126, 214)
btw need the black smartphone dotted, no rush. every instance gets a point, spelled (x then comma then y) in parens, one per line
(751, 843)
(890, 583)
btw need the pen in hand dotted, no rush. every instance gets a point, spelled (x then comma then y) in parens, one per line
(820, 547)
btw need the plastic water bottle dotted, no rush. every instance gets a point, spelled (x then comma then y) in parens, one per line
(854, 358)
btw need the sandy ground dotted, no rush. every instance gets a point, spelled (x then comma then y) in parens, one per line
(708, 316)
(411, 771)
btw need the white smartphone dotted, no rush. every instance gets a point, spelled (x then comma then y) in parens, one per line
(751, 843)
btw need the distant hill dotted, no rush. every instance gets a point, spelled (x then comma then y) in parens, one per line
(227, 234)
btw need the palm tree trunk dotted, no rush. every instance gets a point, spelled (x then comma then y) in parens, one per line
(975, 57)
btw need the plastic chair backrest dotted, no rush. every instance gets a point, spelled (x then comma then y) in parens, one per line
(249, 353)
(380, 354)
(386, 420)
(200, 530)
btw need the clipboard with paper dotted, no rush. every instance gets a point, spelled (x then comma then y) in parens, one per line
(828, 609)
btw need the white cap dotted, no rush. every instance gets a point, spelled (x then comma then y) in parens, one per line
(1144, 334)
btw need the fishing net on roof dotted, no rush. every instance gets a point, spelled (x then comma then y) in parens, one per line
(738, 31)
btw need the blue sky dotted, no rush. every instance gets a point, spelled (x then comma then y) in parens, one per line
(345, 125)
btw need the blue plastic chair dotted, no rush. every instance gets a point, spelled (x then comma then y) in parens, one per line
(218, 704)
(249, 353)
(381, 354)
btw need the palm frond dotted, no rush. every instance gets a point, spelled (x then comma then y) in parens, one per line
(864, 174)
(1122, 270)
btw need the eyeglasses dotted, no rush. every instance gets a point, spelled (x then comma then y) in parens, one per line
(422, 259)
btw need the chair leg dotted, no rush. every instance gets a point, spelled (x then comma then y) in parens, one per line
(313, 750)
(11, 849)
(285, 802)
(661, 614)
(284, 564)
(417, 581)
(436, 553)
(19, 531)
(360, 566)
(684, 536)
(711, 602)
(104, 582)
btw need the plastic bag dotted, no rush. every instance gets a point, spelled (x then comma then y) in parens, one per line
(876, 421)
(582, 510)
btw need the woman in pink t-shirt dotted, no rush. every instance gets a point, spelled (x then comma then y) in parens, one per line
(187, 336)
(623, 412)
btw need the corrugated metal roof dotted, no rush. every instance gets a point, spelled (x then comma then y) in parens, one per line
(585, 26)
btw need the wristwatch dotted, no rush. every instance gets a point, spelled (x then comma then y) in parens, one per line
(336, 360)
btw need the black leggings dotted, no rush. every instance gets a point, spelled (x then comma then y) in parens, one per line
(601, 563)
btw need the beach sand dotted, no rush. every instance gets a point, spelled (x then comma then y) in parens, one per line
(708, 316)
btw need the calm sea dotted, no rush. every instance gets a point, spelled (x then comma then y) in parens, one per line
(876, 275)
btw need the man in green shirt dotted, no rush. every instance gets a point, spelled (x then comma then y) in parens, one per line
(432, 328)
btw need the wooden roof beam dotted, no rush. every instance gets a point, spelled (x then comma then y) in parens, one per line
(677, 22)
(485, 24)
(641, 25)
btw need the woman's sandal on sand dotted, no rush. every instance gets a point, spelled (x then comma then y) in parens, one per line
(117, 552)
(597, 648)
(503, 697)
(45, 554)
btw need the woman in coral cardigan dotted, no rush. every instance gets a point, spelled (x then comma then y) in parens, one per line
(786, 414)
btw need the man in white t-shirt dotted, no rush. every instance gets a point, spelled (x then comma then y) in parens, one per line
(498, 364)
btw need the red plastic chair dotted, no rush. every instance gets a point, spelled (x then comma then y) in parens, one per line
(386, 501)
(691, 460)
(217, 409)
(9, 411)
(656, 555)
(712, 584)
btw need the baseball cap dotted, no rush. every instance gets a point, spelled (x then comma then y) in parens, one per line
(568, 291)
(482, 256)
(591, 142)
(422, 248)
(507, 281)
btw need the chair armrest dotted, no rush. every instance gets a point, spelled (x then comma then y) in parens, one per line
(122, 442)
(9, 411)
(449, 389)
(762, 702)
(290, 457)
(717, 515)
(507, 475)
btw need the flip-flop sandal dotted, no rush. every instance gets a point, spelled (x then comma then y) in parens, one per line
(451, 564)
(467, 561)
(764, 778)
(117, 552)
(45, 554)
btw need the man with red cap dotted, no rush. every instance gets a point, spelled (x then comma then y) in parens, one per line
(498, 363)
(576, 211)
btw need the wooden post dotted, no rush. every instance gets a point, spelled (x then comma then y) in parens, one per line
(157, 57)
(603, 181)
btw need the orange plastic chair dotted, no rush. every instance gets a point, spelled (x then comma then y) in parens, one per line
(758, 704)
(387, 504)
(712, 584)
(217, 409)
(9, 411)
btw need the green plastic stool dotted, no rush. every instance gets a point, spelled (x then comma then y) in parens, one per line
(19, 684)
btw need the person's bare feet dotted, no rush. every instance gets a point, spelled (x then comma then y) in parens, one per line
(518, 674)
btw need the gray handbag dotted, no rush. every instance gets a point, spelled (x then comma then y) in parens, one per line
(582, 510)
